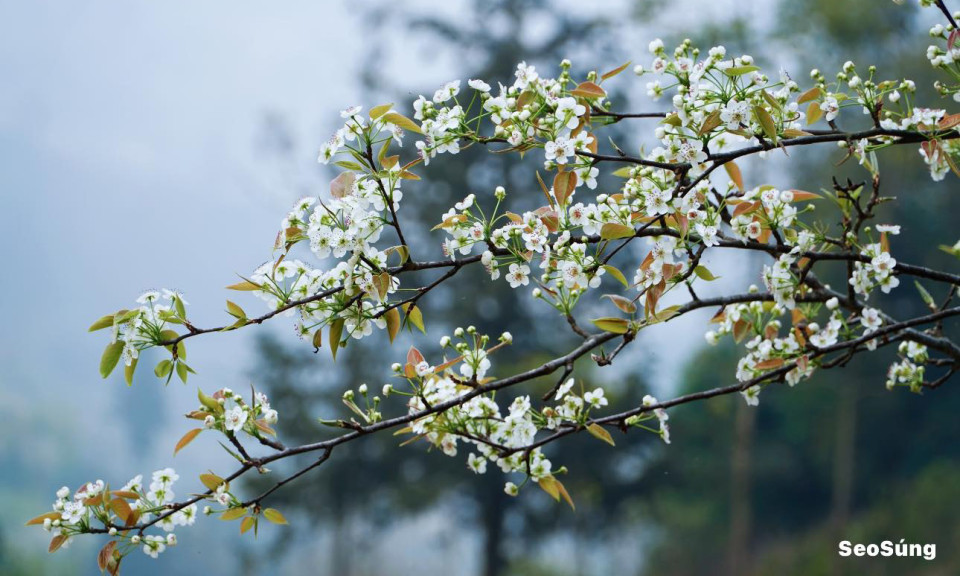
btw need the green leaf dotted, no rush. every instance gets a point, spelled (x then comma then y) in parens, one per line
(599, 432)
(208, 402)
(612, 231)
(211, 481)
(336, 330)
(182, 370)
(710, 122)
(246, 285)
(233, 513)
(927, 298)
(128, 372)
(274, 515)
(766, 122)
(740, 70)
(105, 322)
(548, 484)
(393, 323)
(414, 316)
(349, 165)
(181, 309)
(616, 273)
(378, 111)
(111, 355)
(615, 325)
(625, 172)
(703, 273)
(247, 524)
(402, 121)
(235, 311)
(814, 112)
(163, 369)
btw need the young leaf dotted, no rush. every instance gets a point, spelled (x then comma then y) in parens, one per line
(740, 70)
(122, 510)
(56, 543)
(245, 286)
(599, 432)
(336, 330)
(615, 325)
(378, 111)
(615, 71)
(105, 322)
(612, 231)
(182, 371)
(711, 122)
(249, 521)
(549, 485)
(624, 304)
(927, 298)
(163, 369)
(211, 481)
(208, 402)
(415, 317)
(274, 516)
(111, 355)
(809, 96)
(766, 122)
(414, 356)
(235, 311)
(129, 370)
(564, 494)
(105, 555)
(588, 90)
(39, 519)
(733, 171)
(233, 513)
(564, 184)
(617, 274)
(402, 121)
(813, 113)
(187, 438)
(393, 323)
(703, 273)
(342, 184)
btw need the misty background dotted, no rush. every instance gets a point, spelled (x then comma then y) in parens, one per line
(147, 145)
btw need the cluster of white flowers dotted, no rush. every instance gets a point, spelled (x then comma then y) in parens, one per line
(498, 436)
(766, 348)
(147, 325)
(878, 272)
(659, 413)
(946, 58)
(442, 125)
(227, 412)
(909, 370)
(116, 509)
